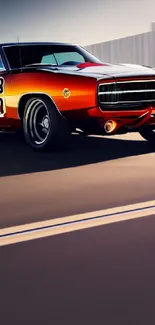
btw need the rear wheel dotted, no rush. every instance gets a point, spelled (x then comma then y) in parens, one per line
(148, 135)
(43, 125)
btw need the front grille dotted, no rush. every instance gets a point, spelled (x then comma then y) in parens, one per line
(125, 93)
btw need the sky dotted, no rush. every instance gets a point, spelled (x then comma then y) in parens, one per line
(81, 22)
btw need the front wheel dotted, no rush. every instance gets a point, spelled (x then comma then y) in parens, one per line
(43, 125)
(148, 135)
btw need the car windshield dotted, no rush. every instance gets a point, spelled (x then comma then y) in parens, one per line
(48, 54)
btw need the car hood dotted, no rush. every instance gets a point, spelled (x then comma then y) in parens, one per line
(104, 70)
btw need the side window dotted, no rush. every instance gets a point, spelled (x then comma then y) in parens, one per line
(48, 59)
(69, 56)
(1, 65)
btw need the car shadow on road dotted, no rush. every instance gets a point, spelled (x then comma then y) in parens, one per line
(17, 158)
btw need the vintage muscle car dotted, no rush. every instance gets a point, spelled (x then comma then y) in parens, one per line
(52, 89)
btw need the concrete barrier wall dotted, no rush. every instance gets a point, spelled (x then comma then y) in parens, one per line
(138, 49)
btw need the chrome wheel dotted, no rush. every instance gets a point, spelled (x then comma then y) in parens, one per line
(44, 127)
(38, 121)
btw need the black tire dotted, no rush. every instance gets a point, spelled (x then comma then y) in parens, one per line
(44, 127)
(148, 135)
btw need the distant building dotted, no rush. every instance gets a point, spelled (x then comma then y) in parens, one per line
(136, 49)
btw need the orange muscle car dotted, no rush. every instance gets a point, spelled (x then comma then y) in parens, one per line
(52, 89)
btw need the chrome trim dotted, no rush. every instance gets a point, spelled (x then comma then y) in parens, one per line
(127, 102)
(126, 91)
(107, 83)
(126, 81)
(115, 92)
(139, 117)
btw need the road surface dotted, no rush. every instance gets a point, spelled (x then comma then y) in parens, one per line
(93, 276)
(94, 173)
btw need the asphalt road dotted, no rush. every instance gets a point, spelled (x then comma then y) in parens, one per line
(89, 175)
(103, 275)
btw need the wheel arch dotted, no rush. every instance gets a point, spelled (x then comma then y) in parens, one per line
(25, 97)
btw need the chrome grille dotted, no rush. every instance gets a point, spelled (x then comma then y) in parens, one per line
(125, 92)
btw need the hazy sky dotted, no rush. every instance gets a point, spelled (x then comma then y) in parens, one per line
(78, 21)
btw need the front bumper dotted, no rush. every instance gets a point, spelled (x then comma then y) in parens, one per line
(130, 120)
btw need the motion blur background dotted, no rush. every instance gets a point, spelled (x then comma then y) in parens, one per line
(113, 30)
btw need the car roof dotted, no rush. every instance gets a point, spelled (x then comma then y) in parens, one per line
(33, 43)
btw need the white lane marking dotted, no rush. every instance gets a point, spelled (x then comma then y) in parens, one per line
(62, 225)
